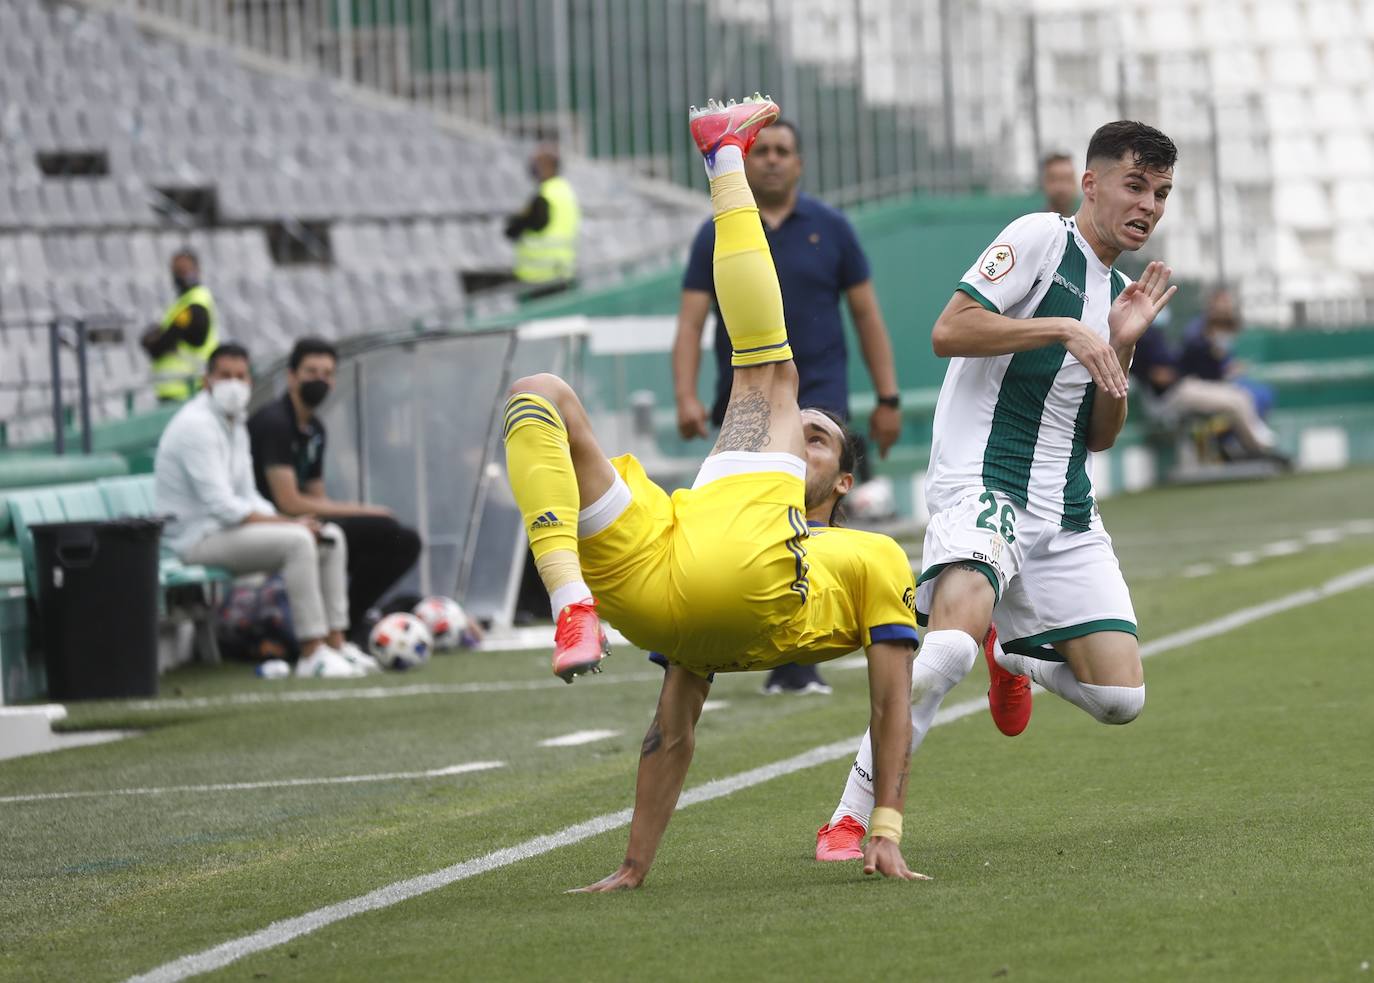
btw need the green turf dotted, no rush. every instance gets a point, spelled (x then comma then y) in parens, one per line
(1227, 834)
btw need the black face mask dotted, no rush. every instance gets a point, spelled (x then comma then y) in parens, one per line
(314, 392)
(185, 283)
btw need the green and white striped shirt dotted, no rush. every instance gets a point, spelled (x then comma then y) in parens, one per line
(1018, 424)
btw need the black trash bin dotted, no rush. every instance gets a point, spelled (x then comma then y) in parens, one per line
(97, 606)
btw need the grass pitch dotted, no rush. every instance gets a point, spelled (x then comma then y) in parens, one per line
(1226, 834)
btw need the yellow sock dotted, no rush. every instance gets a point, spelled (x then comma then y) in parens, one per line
(746, 280)
(539, 463)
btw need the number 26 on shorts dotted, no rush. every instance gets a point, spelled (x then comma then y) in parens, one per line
(1007, 529)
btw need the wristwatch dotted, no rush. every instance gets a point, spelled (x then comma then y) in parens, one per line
(894, 401)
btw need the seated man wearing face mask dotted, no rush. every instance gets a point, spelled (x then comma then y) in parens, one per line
(204, 479)
(288, 465)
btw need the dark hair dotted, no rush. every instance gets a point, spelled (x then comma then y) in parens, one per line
(1148, 147)
(850, 450)
(1058, 157)
(186, 254)
(787, 124)
(227, 350)
(307, 347)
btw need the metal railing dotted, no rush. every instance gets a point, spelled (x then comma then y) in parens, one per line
(611, 78)
(891, 96)
(68, 405)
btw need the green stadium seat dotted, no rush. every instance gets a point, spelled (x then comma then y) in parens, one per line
(135, 495)
(112, 498)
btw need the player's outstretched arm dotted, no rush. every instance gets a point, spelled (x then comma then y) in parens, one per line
(663, 763)
(965, 328)
(889, 688)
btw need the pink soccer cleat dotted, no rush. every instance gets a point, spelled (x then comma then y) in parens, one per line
(738, 123)
(579, 644)
(843, 840)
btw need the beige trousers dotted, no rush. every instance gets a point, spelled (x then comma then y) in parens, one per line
(316, 574)
(1224, 399)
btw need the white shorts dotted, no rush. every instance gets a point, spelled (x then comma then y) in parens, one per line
(1052, 583)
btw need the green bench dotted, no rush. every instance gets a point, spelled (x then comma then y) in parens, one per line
(188, 590)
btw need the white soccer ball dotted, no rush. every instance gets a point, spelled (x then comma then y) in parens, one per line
(400, 641)
(445, 619)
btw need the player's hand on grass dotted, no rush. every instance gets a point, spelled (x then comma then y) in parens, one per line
(691, 418)
(1139, 304)
(627, 877)
(882, 856)
(884, 427)
(1098, 357)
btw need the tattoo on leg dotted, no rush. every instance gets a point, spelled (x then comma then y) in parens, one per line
(969, 567)
(653, 740)
(745, 427)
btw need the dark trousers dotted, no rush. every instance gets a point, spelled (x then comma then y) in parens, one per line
(380, 550)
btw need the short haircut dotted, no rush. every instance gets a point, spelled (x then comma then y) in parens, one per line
(186, 253)
(307, 347)
(850, 450)
(1058, 157)
(787, 124)
(1148, 147)
(227, 350)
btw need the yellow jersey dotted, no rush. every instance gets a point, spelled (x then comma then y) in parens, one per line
(729, 577)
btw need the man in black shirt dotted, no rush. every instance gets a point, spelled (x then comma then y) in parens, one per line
(288, 464)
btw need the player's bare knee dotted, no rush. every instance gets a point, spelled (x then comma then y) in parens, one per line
(963, 599)
(545, 384)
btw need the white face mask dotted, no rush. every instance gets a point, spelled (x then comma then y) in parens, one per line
(231, 396)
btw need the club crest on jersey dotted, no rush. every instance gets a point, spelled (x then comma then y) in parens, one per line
(997, 262)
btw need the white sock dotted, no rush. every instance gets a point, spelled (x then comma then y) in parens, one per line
(945, 659)
(1106, 704)
(568, 594)
(728, 158)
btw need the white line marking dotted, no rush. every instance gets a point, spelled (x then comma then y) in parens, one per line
(580, 737)
(714, 705)
(1284, 547)
(373, 692)
(1360, 527)
(1199, 570)
(1243, 559)
(283, 931)
(1319, 537)
(395, 776)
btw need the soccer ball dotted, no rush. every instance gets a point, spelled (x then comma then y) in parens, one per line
(400, 641)
(445, 619)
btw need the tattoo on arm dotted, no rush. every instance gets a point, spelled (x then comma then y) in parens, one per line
(745, 427)
(653, 740)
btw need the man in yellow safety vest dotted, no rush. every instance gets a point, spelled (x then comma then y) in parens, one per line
(181, 345)
(545, 232)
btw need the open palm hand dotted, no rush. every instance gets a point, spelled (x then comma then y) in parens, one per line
(1139, 304)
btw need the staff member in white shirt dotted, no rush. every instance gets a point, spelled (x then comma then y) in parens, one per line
(204, 480)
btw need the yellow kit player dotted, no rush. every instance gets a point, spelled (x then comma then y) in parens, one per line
(726, 576)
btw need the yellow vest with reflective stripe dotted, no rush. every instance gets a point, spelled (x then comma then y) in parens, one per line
(175, 374)
(551, 252)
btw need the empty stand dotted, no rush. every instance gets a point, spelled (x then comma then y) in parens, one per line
(410, 206)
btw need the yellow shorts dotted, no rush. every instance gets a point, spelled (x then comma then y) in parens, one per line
(707, 574)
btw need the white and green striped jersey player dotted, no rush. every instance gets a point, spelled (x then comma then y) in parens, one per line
(1017, 424)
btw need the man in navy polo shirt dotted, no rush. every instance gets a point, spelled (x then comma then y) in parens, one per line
(818, 259)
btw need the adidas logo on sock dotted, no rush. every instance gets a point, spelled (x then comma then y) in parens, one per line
(546, 521)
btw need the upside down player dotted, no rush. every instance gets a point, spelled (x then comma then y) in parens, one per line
(724, 577)
(1040, 332)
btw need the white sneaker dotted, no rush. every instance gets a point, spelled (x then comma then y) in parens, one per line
(327, 663)
(359, 658)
